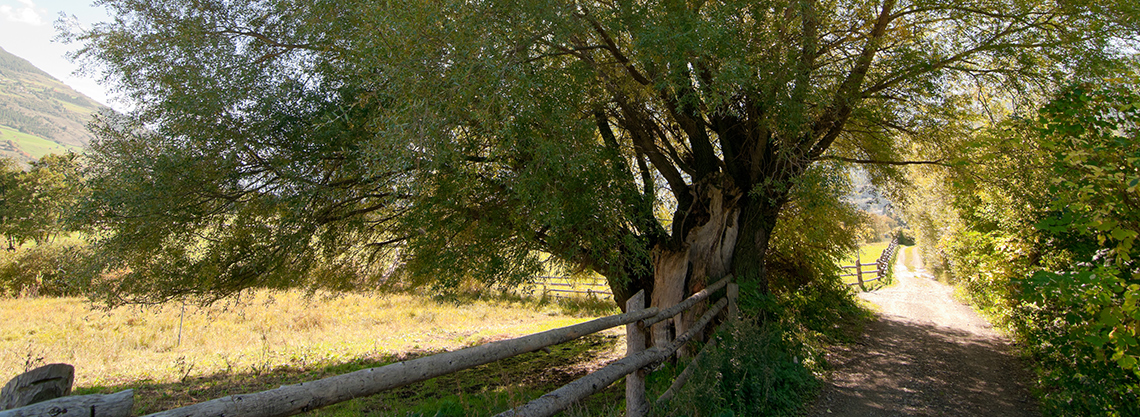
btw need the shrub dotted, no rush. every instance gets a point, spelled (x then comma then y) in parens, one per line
(765, 364)
(45, 270)
(904, 236)
(753, 372)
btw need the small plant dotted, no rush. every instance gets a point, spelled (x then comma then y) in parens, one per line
(753, 372)
(183, 367)
(32, 360)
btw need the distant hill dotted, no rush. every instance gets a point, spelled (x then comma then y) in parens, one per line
(38, 113)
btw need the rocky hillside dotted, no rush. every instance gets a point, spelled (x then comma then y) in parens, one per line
(38, 113)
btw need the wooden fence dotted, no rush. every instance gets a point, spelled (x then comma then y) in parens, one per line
(564, 287)
(640, 322)
(882, 266)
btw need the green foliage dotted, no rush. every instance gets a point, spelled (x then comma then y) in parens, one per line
(752, 372)
(37, 205)
(1045, 243)
(275, 141)
(1094, 138)
(902, 236)
(818, 230)
(53, 270)
(1071, 326)
(767, 367)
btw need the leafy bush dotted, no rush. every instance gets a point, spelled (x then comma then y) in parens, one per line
(1069, 330)
(46, 270)
(903, 236)
(1045, 244)
(753, 372)
(765, 364)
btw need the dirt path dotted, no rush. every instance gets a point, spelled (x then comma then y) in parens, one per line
(927, 355)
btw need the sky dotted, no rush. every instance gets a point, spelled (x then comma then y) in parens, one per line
(27, 30)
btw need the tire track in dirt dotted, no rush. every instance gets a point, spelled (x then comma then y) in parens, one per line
(926, 355)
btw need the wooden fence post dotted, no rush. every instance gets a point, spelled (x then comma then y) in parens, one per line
(859, 273)
(635, 403)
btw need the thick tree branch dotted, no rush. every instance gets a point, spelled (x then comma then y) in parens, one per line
(830, 125)
(644, 142)
(690, 119)
(989, 45)
(615, 51)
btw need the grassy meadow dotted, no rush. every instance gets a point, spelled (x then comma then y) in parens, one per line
(868, 254)
(35, 146)
(270, 339)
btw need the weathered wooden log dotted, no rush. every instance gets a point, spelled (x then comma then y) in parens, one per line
(295, 399)
(578, 291)
(41, 384)
(95, 405)
(573, 285)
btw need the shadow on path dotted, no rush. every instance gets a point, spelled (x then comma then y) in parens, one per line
(901, 368)
(926, 355)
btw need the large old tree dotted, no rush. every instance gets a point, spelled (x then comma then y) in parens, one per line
(281, 142)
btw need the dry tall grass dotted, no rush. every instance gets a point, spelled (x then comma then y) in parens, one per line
(258, 334)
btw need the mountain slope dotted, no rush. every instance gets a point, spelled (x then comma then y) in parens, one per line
(38, 113)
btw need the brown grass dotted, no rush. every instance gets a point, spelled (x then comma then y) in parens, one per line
(263, 332)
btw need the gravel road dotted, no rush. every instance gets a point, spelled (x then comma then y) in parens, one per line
(926, 355)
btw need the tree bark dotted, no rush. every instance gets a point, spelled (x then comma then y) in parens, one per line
(757, 221)
(705, 253)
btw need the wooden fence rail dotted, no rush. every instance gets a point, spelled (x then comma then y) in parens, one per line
(294, 399)
(882, 266)
(550, 285)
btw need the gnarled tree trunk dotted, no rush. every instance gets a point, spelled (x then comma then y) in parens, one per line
(705, 253)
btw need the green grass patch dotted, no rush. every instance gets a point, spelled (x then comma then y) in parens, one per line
(264, 330)
(868, 253)
(35, 146)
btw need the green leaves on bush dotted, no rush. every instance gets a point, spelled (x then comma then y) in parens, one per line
(1045, 243)
(47, 270)
(752, 372)
(765, 364)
